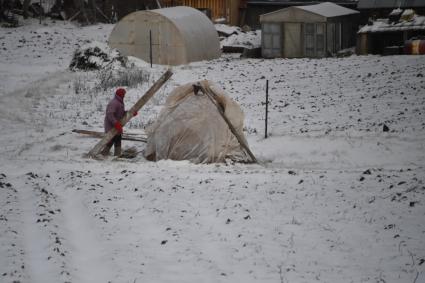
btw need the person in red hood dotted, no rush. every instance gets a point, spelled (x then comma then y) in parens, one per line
(114, 112)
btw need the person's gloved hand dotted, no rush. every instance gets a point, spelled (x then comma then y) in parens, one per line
(135, 114)
(118, 126)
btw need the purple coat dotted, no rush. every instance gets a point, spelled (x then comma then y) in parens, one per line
(114, 112)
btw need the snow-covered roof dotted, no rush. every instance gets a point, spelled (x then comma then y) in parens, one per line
(226, 29)
(328, 10)
(371, 4)
(317, 12)
(417, 23)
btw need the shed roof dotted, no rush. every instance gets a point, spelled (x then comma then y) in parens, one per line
(328, 10)
(374, 4)
(319, 11)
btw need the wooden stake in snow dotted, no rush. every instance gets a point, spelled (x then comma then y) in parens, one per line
(267, 109)
(212, 96)
(129, 114)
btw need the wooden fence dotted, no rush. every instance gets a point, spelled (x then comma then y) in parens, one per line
(219, 8)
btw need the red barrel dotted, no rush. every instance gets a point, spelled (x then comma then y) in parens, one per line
(414, 46)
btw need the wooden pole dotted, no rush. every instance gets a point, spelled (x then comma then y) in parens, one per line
(267, 108)
(74, 16)
(41, 9)
(130, 113)
(125, 136)
(212, 96)
(103, 14)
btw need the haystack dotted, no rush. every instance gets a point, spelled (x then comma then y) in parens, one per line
(189, 127)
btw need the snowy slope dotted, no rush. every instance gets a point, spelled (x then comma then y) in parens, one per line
(335, 198)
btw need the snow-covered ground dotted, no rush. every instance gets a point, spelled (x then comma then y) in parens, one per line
(335, 198)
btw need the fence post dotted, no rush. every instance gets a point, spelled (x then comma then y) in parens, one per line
(267, 108)
(150, 46)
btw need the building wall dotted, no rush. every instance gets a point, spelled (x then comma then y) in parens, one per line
(307, 39)
(376, 42)
(227, 9)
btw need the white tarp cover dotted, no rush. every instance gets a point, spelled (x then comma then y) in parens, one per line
(189, 127)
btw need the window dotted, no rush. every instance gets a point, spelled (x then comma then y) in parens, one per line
(320, 40)
(314, 39)
(309, 40)
(272, 43)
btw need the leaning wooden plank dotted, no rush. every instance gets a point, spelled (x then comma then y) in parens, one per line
(125, 136)
(130, 113)
(212, 96)
(101, 134)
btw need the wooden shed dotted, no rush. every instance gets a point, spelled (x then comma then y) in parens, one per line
(388, 37)
(169, 36)
(308, 31)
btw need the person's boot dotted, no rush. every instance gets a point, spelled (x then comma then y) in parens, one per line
(117, 151)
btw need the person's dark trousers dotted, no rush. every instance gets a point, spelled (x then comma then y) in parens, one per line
(116, 142)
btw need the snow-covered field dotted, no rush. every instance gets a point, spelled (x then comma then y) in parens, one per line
(335, 198)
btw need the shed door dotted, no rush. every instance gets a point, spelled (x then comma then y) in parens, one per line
(320, 40)
(271, 40)
(338, 36)
(330, 35)
(314, 39)
(292, 40)
(309, 40)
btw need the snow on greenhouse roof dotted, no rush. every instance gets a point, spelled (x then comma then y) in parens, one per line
(328, 10)
(417, 23)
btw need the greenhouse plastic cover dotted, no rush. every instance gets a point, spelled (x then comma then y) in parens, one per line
(189, 127)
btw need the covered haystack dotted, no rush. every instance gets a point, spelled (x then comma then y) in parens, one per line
(190, 127)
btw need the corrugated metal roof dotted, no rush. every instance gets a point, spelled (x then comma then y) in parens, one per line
(373, 4)
(328, 10)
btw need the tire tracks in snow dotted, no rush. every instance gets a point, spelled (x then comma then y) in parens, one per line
(52, 235)
(45, 255)
(89, 257)
(12, 264)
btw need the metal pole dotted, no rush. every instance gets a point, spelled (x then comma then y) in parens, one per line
(150, 46)
(267, 108)
(41, 9)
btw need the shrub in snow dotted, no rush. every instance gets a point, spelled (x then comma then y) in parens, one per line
(111, 78)
(95, 56)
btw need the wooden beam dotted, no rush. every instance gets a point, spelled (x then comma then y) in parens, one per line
(130, 113)
(125, 136)
(213, 97)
